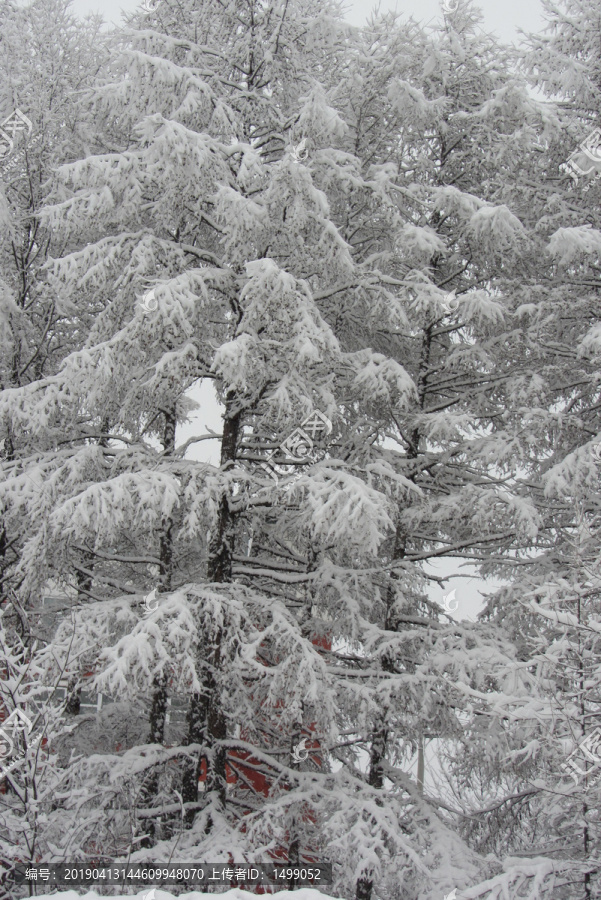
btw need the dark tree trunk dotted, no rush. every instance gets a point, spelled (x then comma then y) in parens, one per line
(294, 856)
(85, 579)
(73, 702)
(3, 546)
(158, 707)
(379, 737)
(156, 735)
(195, 720)
(205, 719)
(166, 540)
(158, 710)
(221, 549)
(363, 889)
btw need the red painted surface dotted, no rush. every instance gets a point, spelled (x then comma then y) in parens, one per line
(244, 769)
(252, 774)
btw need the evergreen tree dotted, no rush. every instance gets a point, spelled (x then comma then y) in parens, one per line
(541, 784)
(323, 223)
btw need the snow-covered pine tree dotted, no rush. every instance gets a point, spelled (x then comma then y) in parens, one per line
(295, 286)
(210, 202)
(456, 443)
(541, 785)
(46, 60)
(550, 609)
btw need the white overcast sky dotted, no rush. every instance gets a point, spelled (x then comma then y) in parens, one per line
(503, 18)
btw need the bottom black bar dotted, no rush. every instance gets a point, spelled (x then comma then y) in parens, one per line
(175, 873)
